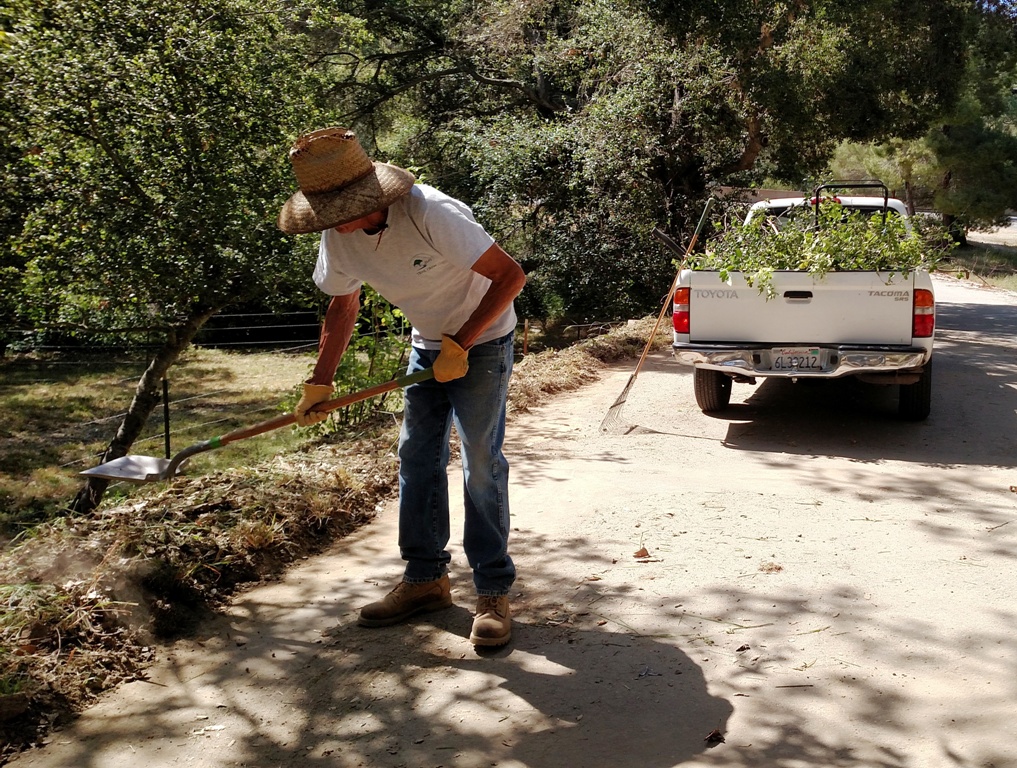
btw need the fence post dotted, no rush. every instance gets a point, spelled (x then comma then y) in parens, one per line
(165, 414)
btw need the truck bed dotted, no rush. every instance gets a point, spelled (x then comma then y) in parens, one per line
(840, 308)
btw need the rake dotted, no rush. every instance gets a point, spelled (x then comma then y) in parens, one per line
(611, 420)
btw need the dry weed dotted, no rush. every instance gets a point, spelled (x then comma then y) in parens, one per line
(538, 377)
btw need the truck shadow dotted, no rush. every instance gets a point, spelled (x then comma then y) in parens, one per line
(974, 404)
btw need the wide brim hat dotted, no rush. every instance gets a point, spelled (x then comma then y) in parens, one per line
(338, 182)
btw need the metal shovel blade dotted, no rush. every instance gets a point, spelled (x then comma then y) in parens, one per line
(131, 469)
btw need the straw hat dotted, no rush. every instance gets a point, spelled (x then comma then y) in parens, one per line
(338, 182)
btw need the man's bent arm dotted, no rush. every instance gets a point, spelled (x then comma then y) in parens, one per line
(336, 332)
(507, 280)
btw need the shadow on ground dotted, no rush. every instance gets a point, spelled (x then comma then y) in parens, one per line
(572, 688)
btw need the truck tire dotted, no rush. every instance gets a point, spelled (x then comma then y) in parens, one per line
(915, 401)
(713, 390)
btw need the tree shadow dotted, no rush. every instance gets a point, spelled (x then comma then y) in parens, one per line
(890, 673)
(582, 683)
(602, 671)
(282, 686)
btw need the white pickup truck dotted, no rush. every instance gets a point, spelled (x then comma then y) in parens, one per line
(874, 325)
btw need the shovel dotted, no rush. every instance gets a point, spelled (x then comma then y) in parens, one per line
(148, 469)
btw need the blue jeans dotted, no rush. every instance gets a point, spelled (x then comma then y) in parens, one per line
(476, 403)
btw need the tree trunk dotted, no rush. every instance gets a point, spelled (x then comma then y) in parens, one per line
(146, 398)
(955, 228)
(909, 197)
(953, 225)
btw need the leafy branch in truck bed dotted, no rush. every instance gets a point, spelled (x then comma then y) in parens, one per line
(842, 241)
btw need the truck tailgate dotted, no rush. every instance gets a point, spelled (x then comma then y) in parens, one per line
(840, 308)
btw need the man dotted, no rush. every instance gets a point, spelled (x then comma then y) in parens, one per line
(424, 252)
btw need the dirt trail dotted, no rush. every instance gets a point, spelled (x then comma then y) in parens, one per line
(825, 586)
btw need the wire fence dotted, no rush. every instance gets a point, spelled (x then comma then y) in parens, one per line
(176, 420)
(252, 330)
(52, 359)
(41, 360)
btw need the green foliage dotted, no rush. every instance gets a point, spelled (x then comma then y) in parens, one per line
(842, 241)
(979, 163)
(811, 74)
(155, 138)
(574, 195)
(574, 128)
(377, 353)
(965, 164)
(12, 682)
(906, 166)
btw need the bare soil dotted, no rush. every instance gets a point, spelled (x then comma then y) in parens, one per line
(804, 580)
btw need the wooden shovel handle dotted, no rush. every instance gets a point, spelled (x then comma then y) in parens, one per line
(325, 407)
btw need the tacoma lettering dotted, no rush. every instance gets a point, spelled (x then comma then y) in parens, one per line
(892, 294)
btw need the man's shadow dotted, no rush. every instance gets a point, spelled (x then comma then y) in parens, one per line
(567, 690)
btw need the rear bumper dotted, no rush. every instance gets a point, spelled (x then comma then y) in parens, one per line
(756, 361)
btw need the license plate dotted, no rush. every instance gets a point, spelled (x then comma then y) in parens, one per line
(796, 359)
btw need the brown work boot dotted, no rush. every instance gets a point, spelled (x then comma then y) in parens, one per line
(407, 600)
(492, 623)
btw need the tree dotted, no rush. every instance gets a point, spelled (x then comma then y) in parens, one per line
(154, 136)
(15, 199)
(574, 126)
(978, 164)
(975, 146)
(965, 164)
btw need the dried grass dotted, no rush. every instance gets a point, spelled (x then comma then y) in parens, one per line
(86, 600)
(537, 378)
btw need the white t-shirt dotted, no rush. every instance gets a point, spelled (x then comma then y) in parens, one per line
(421, 263)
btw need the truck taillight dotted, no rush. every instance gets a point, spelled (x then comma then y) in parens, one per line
(680, 318)
(924, 314)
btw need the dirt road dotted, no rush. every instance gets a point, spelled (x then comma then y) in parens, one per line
(825, 586)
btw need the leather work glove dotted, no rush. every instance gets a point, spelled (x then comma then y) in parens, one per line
(451, 361)
(313, 394)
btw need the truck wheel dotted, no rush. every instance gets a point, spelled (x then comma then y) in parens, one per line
(713, 390)
(915, 400)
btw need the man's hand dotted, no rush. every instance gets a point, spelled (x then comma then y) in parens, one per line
(451, 361)
(313, 394)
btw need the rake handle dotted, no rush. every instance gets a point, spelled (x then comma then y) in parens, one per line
(685, 257)
(325, 407)
(289, 418)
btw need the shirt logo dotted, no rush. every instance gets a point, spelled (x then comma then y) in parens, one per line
(422, 264)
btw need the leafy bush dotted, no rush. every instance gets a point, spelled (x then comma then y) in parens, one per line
(840, 241)
(378, 352)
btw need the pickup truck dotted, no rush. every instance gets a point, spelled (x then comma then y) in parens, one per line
(877, 326)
